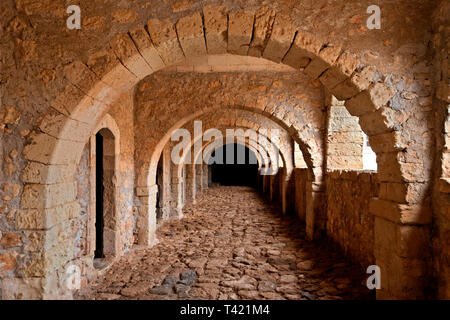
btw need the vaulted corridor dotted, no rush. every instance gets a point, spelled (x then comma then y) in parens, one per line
(113, 118)
(232, 244)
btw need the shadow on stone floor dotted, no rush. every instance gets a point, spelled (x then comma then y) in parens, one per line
(233, 244)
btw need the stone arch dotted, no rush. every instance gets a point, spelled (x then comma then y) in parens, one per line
(265, 156)
(146, 174)
(250, 144)
(247, 120)
(237, 121)
(204, 145)
(53, 152)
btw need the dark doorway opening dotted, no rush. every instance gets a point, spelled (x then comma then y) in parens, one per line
(105, 195)
(159, 183)
(99, 192)
(234, 165)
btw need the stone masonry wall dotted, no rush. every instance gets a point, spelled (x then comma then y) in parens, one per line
(122, 111)
(344, 137)
(441, 195)
(349, 222)
(82, 178)
(165, 97)
(36, 46)
(301, 177)
(124, 178)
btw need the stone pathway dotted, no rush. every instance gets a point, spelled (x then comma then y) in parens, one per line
(232, 244)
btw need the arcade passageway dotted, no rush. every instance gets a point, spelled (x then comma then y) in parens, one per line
(107, 134)
(238, 247)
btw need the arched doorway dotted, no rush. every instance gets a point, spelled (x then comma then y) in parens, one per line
(234, 165)
(105, 192)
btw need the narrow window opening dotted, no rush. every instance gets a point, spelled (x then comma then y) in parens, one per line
(99, 192)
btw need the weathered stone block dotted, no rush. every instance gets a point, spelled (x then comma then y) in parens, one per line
(111, 71)
(42, 147)
(59, 125)
(387, 142)
(342, 70)
(240, 29)
(128, 54)
(324, 60)
(389, 168)
(164, 37)
(216, 25)
(283, 33)
(332, 77)
(370, 100)
(345, 149)
(47, 196)
(61, 214)
(264, 19)
(80, 75)
(21, 289)
(305, 48)
(399, 213)
(190, 35)
(378, 122)
(90, 110)
(30, 219)
(10, 240)
(146, 47)
(402, 192)
(364, 78)
(345, 90)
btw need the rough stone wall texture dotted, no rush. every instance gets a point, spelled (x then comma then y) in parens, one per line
(122, 112)
(82, 178)
(165, 98)
(243, 125)
(344, 137)
(349, 223)
(441, 199)
(164, 185)
(301, 178)
(37, 46)
(124, 179)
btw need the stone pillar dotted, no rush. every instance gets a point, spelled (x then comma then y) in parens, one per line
(166, 196)
(209, 176)
(266, 184)
(283, 189)
(315, 205)
(300, 176)
(287, 192)
(177, 187)
(205, 169)
(190, 183)
(271, 186)
(198, 178)
(260, 181)
(276, 186)
(147, 214)
(402, 241)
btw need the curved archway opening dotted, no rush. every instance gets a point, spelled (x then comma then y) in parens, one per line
(86, 98)
(105, 193)
(234, 165)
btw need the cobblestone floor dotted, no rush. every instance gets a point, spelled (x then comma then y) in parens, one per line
(240, 247)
